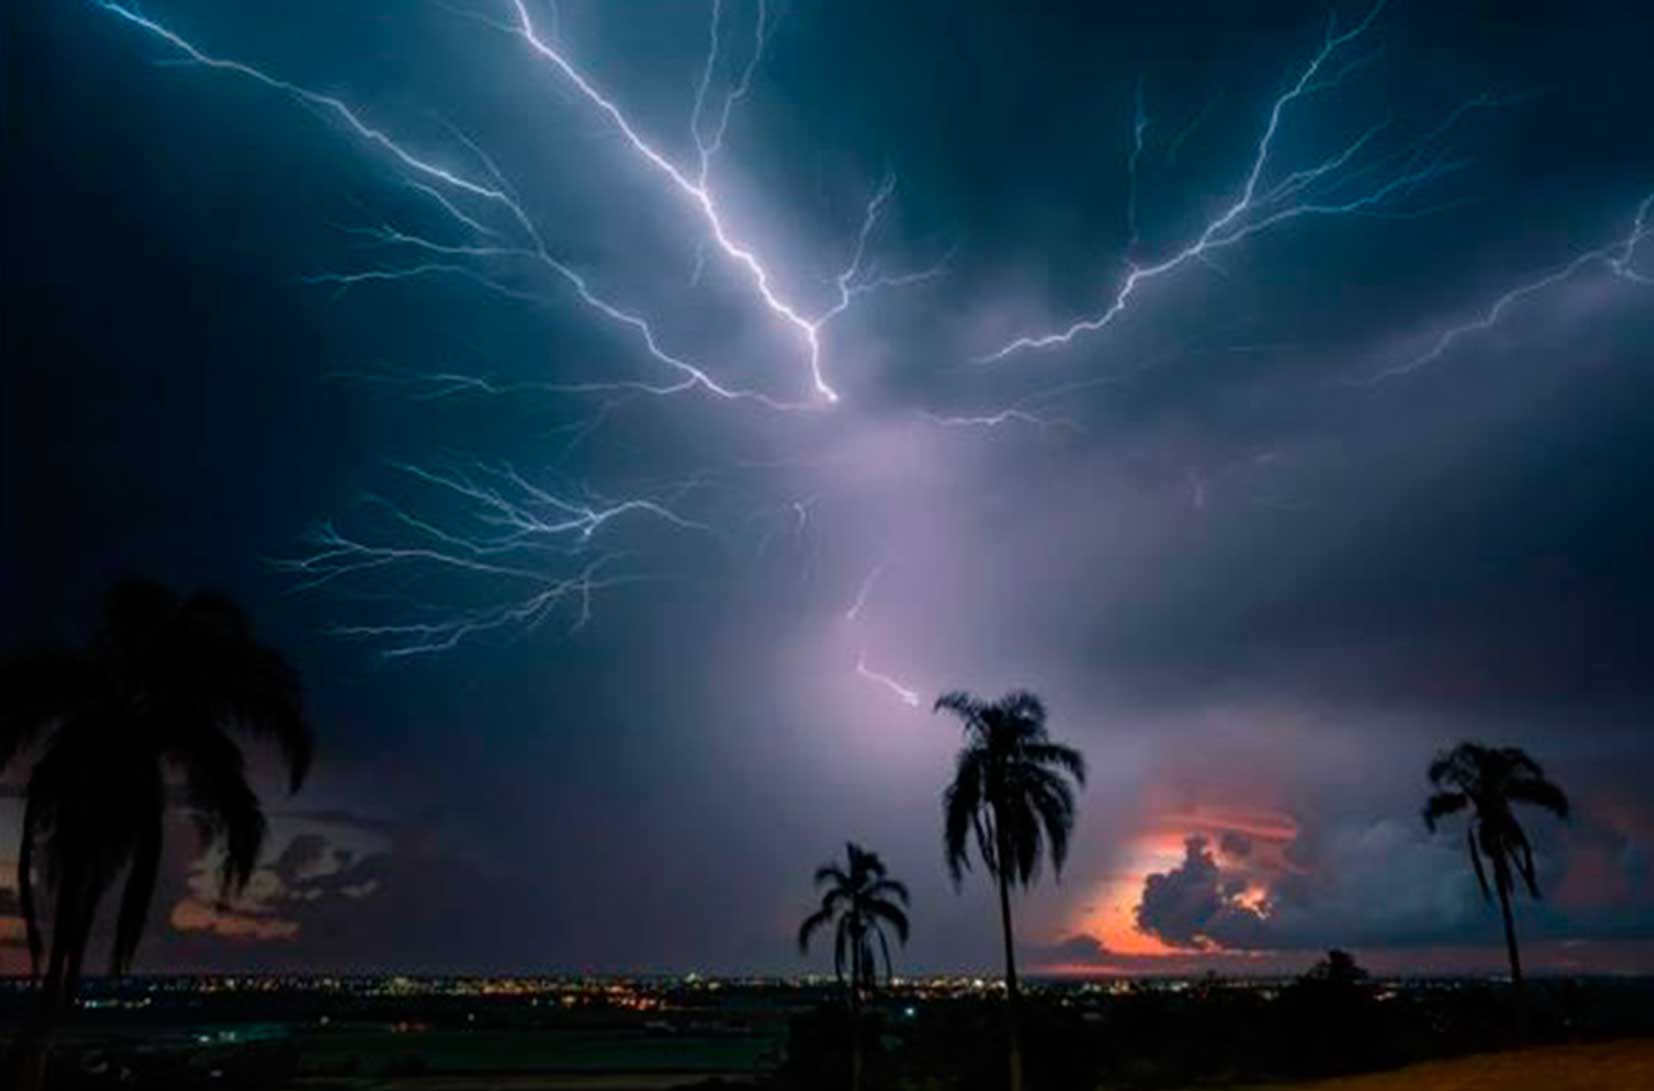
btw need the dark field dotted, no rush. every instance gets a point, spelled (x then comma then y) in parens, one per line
(1624, 1066)
(475, 1034)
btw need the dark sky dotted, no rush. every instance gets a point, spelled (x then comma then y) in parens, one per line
(613, 626)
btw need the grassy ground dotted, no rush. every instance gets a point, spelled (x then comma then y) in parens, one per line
(664, 1081)
(365, 1059)
(1610, 1066)
(462, 1051)
(1607, 1066)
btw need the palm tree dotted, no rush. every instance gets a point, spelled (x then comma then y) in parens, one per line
(1011, 789)
(862, 899)
(1489, 781)
(118, 728)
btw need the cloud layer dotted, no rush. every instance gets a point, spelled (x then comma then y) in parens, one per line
(1259, 588)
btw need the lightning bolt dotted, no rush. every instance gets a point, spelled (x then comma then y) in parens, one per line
(1309, 191)
(856, 278)
(909, 697)
(532, 552)
(1618, 258)
(995, 420)
(862, 592)
(439, 181)
(548, 597)
(1024, 410)
(905, 694)
(1139, 128)
(696, 188)
(708, 145)
(534, 549)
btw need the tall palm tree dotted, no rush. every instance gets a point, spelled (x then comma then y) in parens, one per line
(140, 715)
(1489, 781)
(1011, 790)
(862, 899)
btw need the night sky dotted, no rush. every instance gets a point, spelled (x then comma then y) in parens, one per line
(498, 414)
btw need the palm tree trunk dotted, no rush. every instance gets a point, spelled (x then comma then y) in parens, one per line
(1502, 879)
(1011, 993)
(71, 931)
(855, 1015)
(30, 1063)
(1510, 941)
(34, 1043)
(855, 1050)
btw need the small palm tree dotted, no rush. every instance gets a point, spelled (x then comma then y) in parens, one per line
(862, 899)
(116, 727)
(1011, 791)
(1489, 781)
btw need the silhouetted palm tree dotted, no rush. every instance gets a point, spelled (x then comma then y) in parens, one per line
(148, 702)
(862, 899)
(1011, 789)
(1489, 781)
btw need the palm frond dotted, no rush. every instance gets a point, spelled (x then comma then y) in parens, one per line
(38, 689)
(891, 887)
(1063, 757)
(1025, 706)
(831, 873)
(1054, 804)
(72, 900)
(225, 807)
(25, 879)
(1458, 767)
(1443, 804)
(961, 804)
(262, 697)
(865, 865)
(1538, 792)
(1040, 781)
(140, 877)
(811, 925)
(1522, 857)
(1026, 837)
(1476, 861)
(962, 704)
(203, 663)
(1516, 763)
(880, 910)
(987, 839)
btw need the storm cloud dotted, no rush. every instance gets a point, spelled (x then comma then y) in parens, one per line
(1195, 904)
(1264, 541)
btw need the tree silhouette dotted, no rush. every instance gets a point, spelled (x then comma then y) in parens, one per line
(1489, 781)
(1338, 970)
(118, 728)
(862, 899)
(1011, 790)
(1331, 1016)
